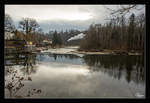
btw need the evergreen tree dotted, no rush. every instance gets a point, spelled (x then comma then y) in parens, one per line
(56, 40)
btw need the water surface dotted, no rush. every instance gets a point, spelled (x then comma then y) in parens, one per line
(68, 75)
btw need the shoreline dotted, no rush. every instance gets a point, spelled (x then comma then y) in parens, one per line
(108, 52)
(103, 52)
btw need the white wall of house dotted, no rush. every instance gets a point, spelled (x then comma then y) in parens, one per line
(9, 35)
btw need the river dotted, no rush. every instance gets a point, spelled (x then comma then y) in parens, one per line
(59, 74)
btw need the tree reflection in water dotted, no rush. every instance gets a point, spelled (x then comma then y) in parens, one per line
(116, 65)
(30, 61)
(67, 56)
(129, 67)
(14, 81)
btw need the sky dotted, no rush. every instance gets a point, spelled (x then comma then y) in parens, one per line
(62, 17)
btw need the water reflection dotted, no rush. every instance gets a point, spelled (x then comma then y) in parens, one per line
(14, 80)
(117, 66)
(29, 64)
(71, 75)
(59, 58)
(26, 61)
(132, 67)
(67, 56)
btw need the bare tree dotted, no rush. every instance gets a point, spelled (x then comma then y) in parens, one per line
(29, 26)
(124, 9)
(9, 27)
(117, 34)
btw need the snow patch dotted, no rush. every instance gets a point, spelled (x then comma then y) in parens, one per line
(65, 50)
(76, 37)
(61, 50)
(139, 95)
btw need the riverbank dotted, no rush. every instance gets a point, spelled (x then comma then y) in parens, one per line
(77, 51)
(106, 51)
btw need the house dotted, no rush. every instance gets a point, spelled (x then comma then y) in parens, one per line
(9, 35)
(14, 35)
(47, 42)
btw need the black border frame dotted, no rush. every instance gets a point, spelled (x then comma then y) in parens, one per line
(77, 2)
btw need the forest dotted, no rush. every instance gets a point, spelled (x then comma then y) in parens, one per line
(119, 33)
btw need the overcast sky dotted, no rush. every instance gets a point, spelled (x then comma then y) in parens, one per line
(62, 17)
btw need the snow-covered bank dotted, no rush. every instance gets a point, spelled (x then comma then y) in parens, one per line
(105, 53)
(65, 50)
(61, 50)
(76, 37)
(74, 50)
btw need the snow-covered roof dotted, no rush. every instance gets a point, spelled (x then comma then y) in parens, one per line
(76, 37)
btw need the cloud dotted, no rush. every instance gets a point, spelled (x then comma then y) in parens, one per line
(47, 12)
(61, 16)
